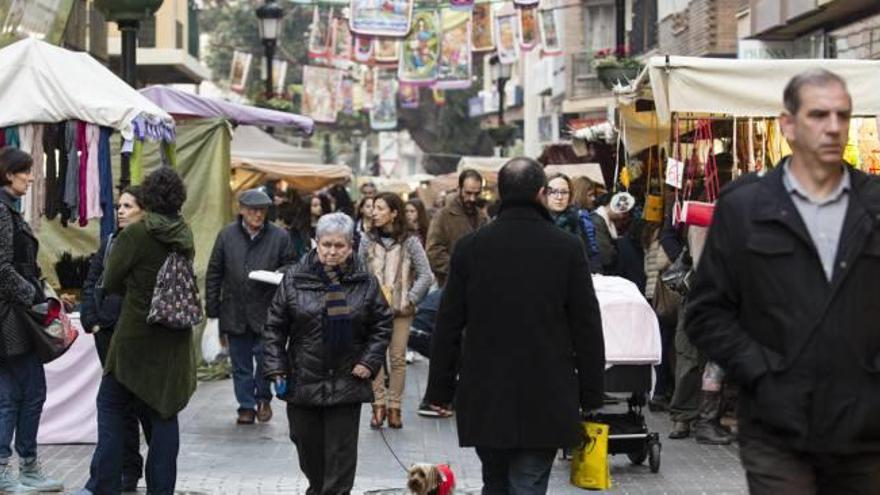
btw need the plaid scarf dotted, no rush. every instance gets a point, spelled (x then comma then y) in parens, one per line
(337, 315)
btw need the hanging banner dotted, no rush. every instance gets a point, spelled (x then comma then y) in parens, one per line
(389, 152)
(461, 4)
(383, 114)
(363, 49)
(381, 18)
(345, 103)
(239, 70)
(321, 85)
(387, 51)
(409, 95)
(483, 28)
(505, 34)
(439, 97)
(341, 54)
(279, 75)
(454, 66)
(550, 41)
(321, 33)
(528, 28)
(367, 77)
(421, 49)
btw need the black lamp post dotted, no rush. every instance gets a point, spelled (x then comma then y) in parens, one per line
(270, 15)
(500, 75)
(128, 15)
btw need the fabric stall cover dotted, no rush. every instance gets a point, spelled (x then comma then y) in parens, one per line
(632, 333)
(40, 82)
(72, 381)
(184, 104)
(251, 143)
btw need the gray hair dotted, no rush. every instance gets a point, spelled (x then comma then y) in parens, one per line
(791, 96)
(335, 224)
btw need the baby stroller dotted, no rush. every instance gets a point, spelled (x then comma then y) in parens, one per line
(632, 348)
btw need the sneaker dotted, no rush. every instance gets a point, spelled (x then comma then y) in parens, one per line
(32, 476)
(427, 411)
(9, 483)
(410, 357)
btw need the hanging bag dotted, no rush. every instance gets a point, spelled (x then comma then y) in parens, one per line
(653, 211)
(175, 304)
(694, 212)
(589, 463)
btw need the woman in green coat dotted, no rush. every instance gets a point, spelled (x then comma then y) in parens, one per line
(149, 367)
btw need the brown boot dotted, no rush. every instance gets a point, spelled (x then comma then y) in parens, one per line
(378, 417)
(246, 417)
(394, 419)
(264, 411)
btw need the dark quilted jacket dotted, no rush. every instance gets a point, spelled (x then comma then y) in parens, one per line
(19, 273)
(293, 338)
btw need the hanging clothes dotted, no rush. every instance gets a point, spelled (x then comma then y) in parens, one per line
(108, 220)
(71, 180)
(12, 136)
(82, 146)
(2, 137)
(31, 142)
(25, 140)
(136, 168)
(93, 178)
(53, 146)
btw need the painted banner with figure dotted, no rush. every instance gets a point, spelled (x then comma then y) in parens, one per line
(239, 70)
(383, 114)
(421, 50)
(342, 42)
(454, 66)
(381, 17)
(409, 95)
(321, 33)
(549, 22)
(528, 28)
(387, 51)
(482, 28)
(506, 38)
(363, 49)
(321, 85)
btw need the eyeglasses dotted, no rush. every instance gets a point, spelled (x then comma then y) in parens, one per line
(558, 192)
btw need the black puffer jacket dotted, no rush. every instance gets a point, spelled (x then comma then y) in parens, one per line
(293, 336)
(19, 274)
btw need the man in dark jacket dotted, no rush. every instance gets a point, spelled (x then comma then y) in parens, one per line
(533, 355)
(247, 244)
(785, 300)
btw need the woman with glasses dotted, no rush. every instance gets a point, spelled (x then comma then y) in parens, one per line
(569, 219)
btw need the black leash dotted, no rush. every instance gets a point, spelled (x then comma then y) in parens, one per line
(390, 449)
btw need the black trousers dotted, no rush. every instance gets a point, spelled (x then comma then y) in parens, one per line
(326, 440)
(779, 471)
(689, 365)
(516, 471)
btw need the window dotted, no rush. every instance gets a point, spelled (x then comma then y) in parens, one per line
(600, 26)
(178, 34)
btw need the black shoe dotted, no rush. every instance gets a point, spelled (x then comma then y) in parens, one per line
(427, 411)
(711, 433)
(680, 429)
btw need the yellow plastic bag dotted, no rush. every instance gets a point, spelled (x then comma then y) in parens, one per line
(589, 464)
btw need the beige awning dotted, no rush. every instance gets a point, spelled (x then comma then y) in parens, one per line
(581, 105)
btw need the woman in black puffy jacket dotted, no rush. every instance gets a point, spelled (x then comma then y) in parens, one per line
(325, 339)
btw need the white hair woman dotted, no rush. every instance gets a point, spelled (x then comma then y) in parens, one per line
(326, 336)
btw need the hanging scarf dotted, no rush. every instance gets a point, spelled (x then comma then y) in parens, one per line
(337, 314)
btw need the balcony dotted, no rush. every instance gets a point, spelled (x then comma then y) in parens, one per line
(584, 92)
(789, 19)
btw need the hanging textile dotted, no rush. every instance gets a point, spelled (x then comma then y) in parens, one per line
(82, 146)
(387, 51)
(93, 179)
(869, 146)
(71, 178)
(454, 66)
(439, 96)
(341, 54)
(12, 137)
(383, 114)
(548, 22)
(31, 142)
(2, 138)
(528, 28)
(363, 49)
(53, 146)
(483, 29)
(409, 95)
(508, 46)
(320, 88)
(346, 97)
(386, 18)
(239, 71)
(320, 34)
(105, 176)
(363, 90)
(421, 49)
(136, 163)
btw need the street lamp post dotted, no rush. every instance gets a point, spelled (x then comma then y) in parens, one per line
(270, 15)
(128, 14)
(500, 74)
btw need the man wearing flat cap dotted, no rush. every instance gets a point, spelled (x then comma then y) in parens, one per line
(247, 244)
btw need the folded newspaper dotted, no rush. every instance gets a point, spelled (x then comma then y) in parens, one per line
(273, 278)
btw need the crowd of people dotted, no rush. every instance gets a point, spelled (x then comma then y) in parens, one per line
(781, 301)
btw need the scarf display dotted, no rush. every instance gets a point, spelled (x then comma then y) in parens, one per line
(337, 314)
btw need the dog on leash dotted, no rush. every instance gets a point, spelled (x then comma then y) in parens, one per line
(431, 479)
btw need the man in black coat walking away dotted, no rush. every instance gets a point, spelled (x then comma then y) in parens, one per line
(533, 355)
(785, 300)
(249, 243)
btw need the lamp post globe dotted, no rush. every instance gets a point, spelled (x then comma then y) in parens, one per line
(270, 16)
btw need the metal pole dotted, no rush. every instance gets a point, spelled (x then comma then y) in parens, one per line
(502, 81)
(128, 62)
(270, 54)
(620, 22)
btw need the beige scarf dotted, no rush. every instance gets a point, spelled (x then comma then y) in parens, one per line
(393, 268)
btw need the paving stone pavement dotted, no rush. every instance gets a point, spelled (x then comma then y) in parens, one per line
(219, 457)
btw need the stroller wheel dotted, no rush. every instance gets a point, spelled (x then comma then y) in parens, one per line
(638, 457)
(654, 457)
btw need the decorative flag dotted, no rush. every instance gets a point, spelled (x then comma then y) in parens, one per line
(321, 33)
(549, 33)
(409, 95)
(454, 67)
(505, 34)
(279, 75)
(363, 49)
(387, 51)
(483, 30)
(321, 85)
(383, 114)
(421, 49)
(341, 53)
(239, 70)
(381, 17)
(439, 97)
(345, 102)
(528, 28)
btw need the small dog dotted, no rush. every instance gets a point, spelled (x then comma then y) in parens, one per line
(431, 479)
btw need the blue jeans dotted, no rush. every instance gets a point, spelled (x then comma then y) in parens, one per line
(115, 402)
(516, 471)
(247, 379)
(22, 394)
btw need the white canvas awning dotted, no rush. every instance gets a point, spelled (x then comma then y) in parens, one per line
(42, 83)
(253, 144)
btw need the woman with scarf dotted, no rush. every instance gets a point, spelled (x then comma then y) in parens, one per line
(397, 259)
(325, 338)
(568, 218)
